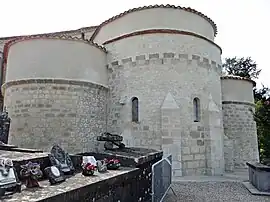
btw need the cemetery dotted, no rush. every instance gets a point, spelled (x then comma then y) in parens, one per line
(31, 175)
(116, 112)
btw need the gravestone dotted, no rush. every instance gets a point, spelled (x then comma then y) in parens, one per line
(61, 160)
(54, 175)
(4, 126)
(9, 181)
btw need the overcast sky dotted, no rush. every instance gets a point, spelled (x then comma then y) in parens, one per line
(243, 25)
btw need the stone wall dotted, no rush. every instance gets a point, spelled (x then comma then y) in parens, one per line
(47, 111)
(241, 134)
(152, 67)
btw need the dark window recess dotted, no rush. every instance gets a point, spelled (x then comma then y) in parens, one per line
(196, 109)
(135, 109)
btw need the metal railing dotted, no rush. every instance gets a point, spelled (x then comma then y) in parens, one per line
(161, 178)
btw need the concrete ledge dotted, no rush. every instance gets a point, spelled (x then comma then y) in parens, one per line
(255, 191)
(129, 157)
(132, 182)
(80, 188)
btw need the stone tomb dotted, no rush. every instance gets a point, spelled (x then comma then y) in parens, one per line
(132, 182)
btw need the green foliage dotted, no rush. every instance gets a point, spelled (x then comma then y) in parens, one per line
(261, 94)
(244, 67)
(262, 118)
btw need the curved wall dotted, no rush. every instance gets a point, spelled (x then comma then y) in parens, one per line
(239, 126)
(56, 58)
(166, 72)
(55, 93)
(154, 18)
(237, 90)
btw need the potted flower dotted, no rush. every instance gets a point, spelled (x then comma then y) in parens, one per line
(112, 164)
(88, 169)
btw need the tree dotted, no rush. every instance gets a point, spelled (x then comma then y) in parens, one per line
(262, 118)
(261, 94)
(244, 67)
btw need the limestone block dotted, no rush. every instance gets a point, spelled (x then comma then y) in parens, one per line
(199, 157)
(187, 157)
(177, 173)
(186, 150)
(194, 150)
(177, 165)
(191, 164)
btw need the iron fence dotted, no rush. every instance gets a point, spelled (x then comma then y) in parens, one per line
(161, 178)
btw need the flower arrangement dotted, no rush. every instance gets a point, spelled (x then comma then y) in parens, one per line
(88, 169)
(112, 164)
(31, 173)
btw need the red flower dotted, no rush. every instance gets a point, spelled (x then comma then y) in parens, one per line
(89, 166)
(114, 161)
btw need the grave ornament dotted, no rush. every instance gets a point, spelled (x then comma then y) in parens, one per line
(9, 181)
(61, 160)
(112, 164)
(110, 140)
(101, 166)
(54, 175)
(31, 173)
(88, 169)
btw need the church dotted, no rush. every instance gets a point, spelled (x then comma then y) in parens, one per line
(151, 74)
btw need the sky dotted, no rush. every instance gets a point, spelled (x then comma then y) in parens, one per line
(243, 25)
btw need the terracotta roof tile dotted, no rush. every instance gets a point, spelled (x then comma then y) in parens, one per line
(76, 31)
(155, 6)
(238, 78)
(45, 36)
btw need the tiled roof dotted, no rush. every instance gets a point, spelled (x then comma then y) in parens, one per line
(155, 6)
(83, 29)
(238, 78)
(15, 40)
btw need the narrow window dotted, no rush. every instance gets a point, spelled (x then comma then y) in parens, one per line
(135, 109)
(196, 108)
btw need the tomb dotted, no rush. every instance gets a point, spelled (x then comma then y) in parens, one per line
(131, 182)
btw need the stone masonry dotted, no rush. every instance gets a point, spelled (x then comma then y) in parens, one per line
(61, 91)
(48, 111)
(240, 130)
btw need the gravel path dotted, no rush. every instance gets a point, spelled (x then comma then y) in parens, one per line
(212, 192)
